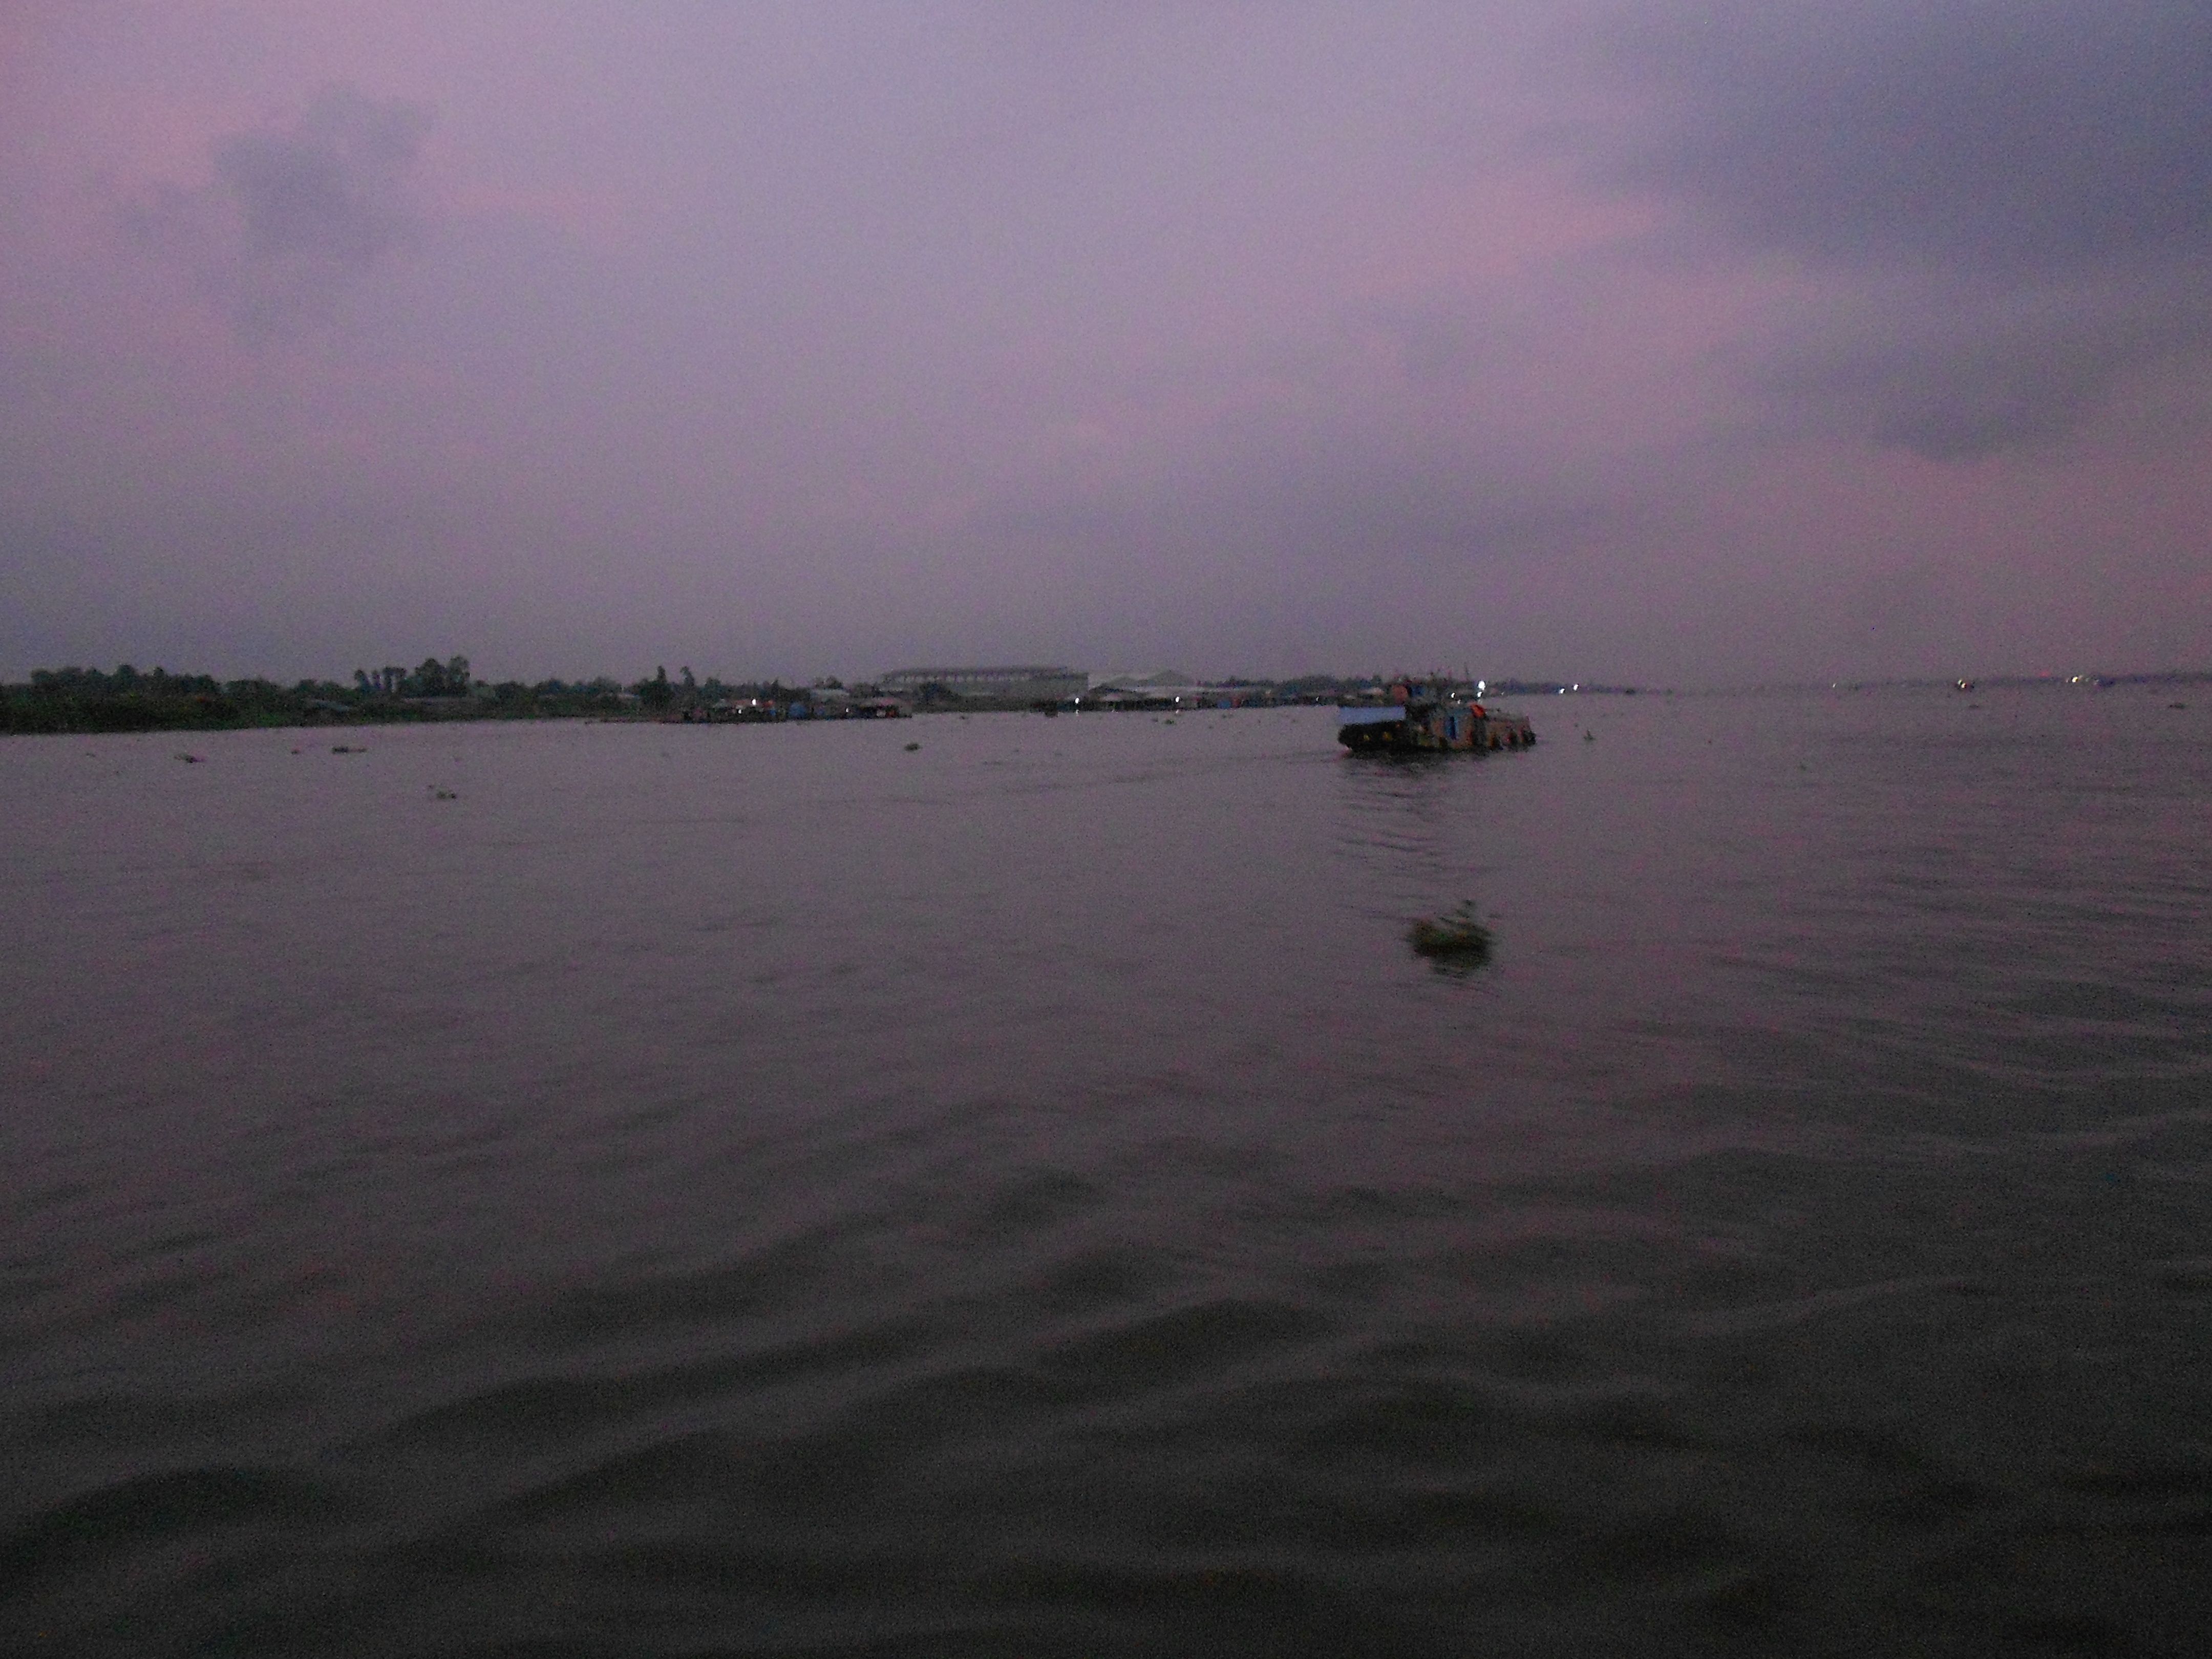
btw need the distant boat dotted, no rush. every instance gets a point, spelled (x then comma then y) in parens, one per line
(1425, 717)
(1963, 685)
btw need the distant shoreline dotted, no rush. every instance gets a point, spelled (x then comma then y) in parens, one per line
(84, 702)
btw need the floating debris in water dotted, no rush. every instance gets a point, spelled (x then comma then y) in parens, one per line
(192, 760)
(911, 747)
(1454, 939)
(437, 794)
(345, 748)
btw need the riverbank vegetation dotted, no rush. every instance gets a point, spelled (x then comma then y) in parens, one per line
(82, 700)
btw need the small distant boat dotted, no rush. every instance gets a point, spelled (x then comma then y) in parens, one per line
(1425, 717)
(1963, 685)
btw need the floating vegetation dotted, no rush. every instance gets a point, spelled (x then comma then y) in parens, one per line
(911, 747)
(1454, 940)
(437, 793)
(347, 749)
(192, 760)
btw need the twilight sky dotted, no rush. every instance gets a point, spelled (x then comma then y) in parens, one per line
(1673, 342)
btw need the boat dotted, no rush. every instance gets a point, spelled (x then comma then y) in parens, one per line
(1427, 717)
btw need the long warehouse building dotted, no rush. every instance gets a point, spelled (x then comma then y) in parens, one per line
(1029, 682)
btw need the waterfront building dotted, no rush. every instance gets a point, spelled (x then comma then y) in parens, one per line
(1025, 684)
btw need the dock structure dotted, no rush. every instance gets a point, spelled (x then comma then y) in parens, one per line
(1429, 717)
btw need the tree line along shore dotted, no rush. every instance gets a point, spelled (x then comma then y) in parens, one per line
(86, 700)
(89, 700)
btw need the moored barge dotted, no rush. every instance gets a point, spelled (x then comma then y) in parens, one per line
(1427, 717)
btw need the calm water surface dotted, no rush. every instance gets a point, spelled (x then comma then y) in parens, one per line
(762, 1190)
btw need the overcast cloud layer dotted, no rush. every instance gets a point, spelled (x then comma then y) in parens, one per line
(1672, 344)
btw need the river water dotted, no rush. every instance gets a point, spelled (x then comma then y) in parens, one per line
(627, 1189)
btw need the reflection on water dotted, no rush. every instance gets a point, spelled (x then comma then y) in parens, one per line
(766, 1189)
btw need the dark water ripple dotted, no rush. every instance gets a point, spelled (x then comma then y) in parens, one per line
(763, 1191)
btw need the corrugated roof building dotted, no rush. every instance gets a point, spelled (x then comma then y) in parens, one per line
(1023, 683)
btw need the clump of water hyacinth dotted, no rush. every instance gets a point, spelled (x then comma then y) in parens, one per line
(1454, 939)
